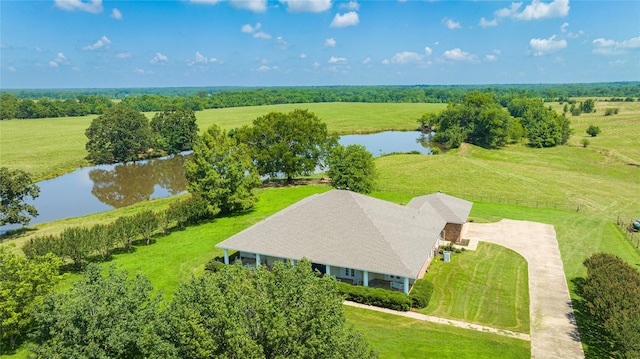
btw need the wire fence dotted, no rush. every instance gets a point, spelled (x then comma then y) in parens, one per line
(565, 206)
(632, 235)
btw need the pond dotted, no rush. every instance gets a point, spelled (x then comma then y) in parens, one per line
(105, 187)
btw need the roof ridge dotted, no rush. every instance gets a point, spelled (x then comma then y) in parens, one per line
(376, 225)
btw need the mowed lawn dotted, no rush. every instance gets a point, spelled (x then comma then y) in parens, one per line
(488, 286)
(48, 147)
(398, 337)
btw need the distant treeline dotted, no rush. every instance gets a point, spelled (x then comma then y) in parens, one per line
(79, 102)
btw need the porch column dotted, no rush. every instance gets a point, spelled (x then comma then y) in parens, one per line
(328, 271)
(406, 285)
(226, 256)
(257, 260)
(365, 278)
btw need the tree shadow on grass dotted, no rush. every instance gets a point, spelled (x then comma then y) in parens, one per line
(592, 333)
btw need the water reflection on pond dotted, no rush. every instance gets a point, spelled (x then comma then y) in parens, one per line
(105, 187)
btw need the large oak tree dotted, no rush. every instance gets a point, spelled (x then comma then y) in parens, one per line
(119, 135)
(289, 144)
(15, 188)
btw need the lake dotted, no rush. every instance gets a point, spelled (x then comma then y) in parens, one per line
(105, 187)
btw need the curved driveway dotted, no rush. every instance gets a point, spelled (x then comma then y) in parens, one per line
(553, 330)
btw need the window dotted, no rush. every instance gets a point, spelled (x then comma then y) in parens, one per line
(349, 272)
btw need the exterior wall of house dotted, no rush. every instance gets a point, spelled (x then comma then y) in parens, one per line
(452, 232)
(425, 266)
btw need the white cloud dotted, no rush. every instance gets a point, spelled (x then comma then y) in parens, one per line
(92, 6)
(428, 51)
(564, 26)
(11, 69)
(491, 58)
(159, 58)
(307, 5)
(348, 19)
(351, 5)
(405, 57)
(316, 64)
(123, 55)
(251, 5)
(262, 35)
(536, 10)
(511, 11)
(336, 60)
(103, 42)
(575, 35)
(60, 59)
(458, 55)
(264, 68)
(486, 23)
(116, 14)
(303, 55)
(140, 71)
(330, 42)
(449, 23)
(542, 47)
(281, 43)
(612, 47)
(248, 29)
(366, 61)
(201, 61)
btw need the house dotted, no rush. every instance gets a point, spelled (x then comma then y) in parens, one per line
(356, 238)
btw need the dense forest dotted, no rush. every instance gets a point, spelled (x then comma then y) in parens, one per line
(31, 103)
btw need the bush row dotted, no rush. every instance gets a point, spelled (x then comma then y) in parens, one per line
(421, 293)
(375, 296)
(80, 245)
(612, 295)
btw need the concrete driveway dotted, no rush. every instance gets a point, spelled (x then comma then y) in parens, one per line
(553, 330)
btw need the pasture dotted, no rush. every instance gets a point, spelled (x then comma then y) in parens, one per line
(48, 147)
(603, 178)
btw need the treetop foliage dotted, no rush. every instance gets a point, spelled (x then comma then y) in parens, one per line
(351, 167)
(292, 144)
(23, 284)
(15, 188)
(221, 171)
(77, 102)
(176, 129)
(612, 295)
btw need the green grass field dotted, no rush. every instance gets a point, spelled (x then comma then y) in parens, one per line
(51, 146)
(397, 337)
(604, 178)
(488, 286)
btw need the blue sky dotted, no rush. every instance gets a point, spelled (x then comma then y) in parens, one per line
(95, 43)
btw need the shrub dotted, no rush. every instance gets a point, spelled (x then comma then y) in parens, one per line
(214, 265)
(612, 295)
(593, 131)
(421, 293)
(376, 296)
(585, 142)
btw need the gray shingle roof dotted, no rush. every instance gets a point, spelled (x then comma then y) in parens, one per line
(346, 229)
(452, 209)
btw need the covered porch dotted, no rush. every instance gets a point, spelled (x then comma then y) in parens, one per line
(342, 274)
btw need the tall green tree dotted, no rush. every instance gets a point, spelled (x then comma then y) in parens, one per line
(292, 144)
(544, 126)
(176, 129)
(285, 312)
(23, 284)
(120, 134)
(15, 188)
(352, 167)
(478, 120)
(221, 171)
(102, 316)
